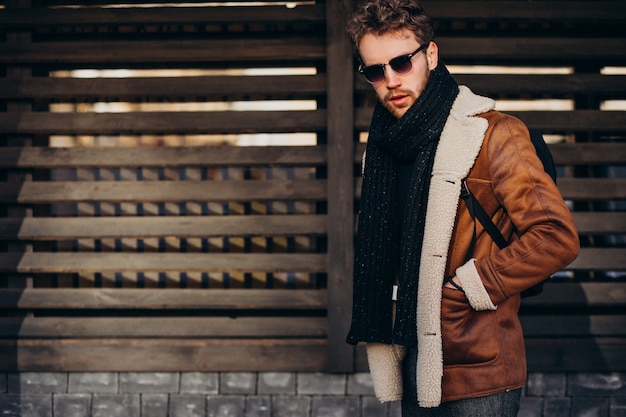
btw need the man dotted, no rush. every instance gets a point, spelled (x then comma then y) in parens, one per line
(450, 339)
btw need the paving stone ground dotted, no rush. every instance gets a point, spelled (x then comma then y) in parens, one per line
(270, 394)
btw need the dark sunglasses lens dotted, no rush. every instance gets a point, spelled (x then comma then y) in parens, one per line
(374, 73)
(401, 64)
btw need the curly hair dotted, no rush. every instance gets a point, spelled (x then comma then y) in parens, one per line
(382, 16)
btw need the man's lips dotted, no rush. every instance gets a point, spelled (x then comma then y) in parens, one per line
(398, 99)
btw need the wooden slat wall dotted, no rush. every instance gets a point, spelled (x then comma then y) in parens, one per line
(153, 257)
(121, 253)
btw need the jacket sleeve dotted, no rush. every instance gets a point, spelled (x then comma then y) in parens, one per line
(545, 239)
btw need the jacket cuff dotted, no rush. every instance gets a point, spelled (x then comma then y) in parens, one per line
(385, 363)
(473, 286)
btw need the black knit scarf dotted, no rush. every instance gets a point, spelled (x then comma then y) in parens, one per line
(389, 237)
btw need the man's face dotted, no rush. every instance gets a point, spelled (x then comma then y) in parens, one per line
(397, 92)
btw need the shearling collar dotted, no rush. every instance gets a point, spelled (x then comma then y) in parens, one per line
(459, 145)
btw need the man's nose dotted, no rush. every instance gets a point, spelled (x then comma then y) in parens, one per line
(392, 80)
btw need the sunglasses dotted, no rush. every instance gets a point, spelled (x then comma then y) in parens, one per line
(400, 65)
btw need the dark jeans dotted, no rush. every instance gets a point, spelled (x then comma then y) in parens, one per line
(504, 404)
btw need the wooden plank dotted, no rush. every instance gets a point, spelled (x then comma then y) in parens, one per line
(247, 50)
(477, 10)
(53, 228)
(508, 84)
(594, 153)
(604, 153)
(491, 10)
(221, 122)
(216, 87)
(341, 193)
(572, 121)
(600, 259)
(86, 262)
(166, 355)
(547, 121)
(161, 327)
(161, 299)
(579, 295)
(555, 49)
(555, 294)
(600, 222)
(496, 84)
(177, 156)
(50, 17)
(521, 49)
(577, 188)
(209, 87)
(576, 354)
(161, 191)
(515, 10)
(592, 188)
(574, 325)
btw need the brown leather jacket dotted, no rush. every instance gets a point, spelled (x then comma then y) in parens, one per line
(483, 351)
(470, 343)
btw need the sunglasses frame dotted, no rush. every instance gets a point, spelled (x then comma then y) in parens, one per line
(406, 57)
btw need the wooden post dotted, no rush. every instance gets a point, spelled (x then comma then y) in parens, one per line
(19, 72)
(340, 185)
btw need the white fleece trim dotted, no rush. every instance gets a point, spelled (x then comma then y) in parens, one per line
(459, 145)
(385, 363)
(473, 286)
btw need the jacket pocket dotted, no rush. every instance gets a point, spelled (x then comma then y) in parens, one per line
(469, 336)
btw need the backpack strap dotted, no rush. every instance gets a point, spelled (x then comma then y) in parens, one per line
(477, 212)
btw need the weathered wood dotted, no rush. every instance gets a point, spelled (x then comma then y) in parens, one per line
(547, 121)
(162, 327)
(576, 354)
(555, 294)
(517, 84)
(89, 262)
(50, 228)
(574, 326)
(588, 153)
(477, 10)
(231, 122)
(585, 153)
(160, 299)
(162, 191)
(572, 121)
(534, 10)
(201, 156)
(202, 88)
(247, 50)
(175, 355)
(50, 17)
(59, 228)
(577, 188)
(308, 49)
(521, 49)
(592, 188)
(340, 195)
(600, 222)
(217, 87)
(600, 259)
(579, 295)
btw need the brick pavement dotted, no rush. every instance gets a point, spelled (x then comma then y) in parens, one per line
(270, 394)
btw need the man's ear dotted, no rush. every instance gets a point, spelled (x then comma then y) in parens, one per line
(432, 55)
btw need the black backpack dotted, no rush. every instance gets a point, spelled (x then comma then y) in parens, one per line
(477, 212)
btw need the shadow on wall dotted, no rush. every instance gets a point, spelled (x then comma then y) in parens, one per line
(566, 330)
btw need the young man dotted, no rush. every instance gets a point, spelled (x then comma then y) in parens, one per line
(448, 334)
